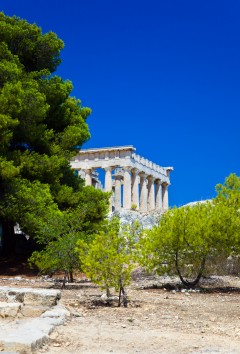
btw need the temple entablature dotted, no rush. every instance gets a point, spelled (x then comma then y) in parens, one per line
(135, 181)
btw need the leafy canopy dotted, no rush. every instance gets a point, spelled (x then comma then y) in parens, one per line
(186, 237)
(109, 259)
(228, 193)
(40, 127)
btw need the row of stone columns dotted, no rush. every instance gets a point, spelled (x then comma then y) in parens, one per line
(143, 191)
(152, 194)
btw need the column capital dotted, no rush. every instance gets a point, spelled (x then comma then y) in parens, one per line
(127, 168)
(165, 184)
(108, 168)
(135, 171)
(150, 178)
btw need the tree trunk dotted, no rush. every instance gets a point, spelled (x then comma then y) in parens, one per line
(125, 303)
(71, 276)
(124, 295)
(64, 280)
(119, 297)
(194, 282)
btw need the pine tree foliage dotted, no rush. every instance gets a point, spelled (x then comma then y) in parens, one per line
(187, 237)
(41, 125)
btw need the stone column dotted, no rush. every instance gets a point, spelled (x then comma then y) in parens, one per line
(165, 196)
(158, 199)
(108, 179)
(143, 192)
(135, 189)
(88, 177)
(151, 197)
(118, 202)
(108, 184)
(127, 188)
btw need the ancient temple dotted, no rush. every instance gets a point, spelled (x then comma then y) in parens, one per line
(135, 182)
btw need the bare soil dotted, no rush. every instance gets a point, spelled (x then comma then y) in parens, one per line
(160, 318)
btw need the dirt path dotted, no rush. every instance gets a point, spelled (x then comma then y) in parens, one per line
(156, 321)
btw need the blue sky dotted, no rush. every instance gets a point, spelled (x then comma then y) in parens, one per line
(163, 76)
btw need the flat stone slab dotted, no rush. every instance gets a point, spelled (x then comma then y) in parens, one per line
(29, 296)
(33, 311)
(8, 309)
(56, 312)
(25, 336)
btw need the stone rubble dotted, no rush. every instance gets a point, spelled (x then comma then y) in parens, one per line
(146, 220)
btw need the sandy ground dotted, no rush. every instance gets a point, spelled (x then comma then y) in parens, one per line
(156, 320)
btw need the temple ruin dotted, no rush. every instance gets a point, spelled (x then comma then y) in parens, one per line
(135, 182)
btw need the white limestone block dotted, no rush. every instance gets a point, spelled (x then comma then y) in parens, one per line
(9, 309)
